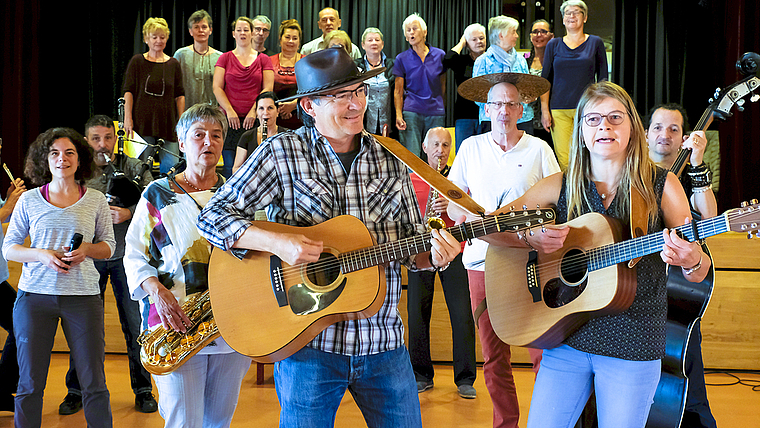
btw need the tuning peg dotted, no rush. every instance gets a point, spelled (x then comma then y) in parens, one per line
(754, 98)
(740, 108)
(710, 101)
(743, 204)
(753, 201)
(525, 207)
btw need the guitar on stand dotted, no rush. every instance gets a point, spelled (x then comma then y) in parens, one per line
(687, 301)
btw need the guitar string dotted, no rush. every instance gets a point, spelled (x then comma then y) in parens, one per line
(364, 256)
(579, 263)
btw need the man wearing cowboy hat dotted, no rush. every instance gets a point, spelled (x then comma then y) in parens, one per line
(496, 168)
(327, 168)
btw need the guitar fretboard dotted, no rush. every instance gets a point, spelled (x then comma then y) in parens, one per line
(372, 256)
(612, 254)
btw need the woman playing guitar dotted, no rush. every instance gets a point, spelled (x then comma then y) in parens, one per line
(618, 355)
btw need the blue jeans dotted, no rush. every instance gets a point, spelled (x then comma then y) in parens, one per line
(35, 321)
(311, 383)
(624, 389)
(417, 125)
(129, 316)
(465, 128)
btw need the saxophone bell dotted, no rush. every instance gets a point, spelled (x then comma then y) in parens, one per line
(433, 220)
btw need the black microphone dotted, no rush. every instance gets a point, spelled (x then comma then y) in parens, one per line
(76, 241)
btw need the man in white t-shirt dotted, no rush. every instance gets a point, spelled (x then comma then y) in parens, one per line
(496, 168)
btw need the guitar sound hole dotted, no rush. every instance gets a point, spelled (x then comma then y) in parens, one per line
(559, 292)
(325, 271)
(573, 266)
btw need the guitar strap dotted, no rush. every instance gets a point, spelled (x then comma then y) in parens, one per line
(638, 218)
(431, 176)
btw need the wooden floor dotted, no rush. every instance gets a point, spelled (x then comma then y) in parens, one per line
(733, 406)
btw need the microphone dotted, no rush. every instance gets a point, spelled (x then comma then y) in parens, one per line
(76, 241)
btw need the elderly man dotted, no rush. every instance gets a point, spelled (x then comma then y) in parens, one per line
(666, 135)
(100, 135)
(329, 20)
(437, 146)
(501, 57)
(327, 168)
(261, 27)
(496, 168)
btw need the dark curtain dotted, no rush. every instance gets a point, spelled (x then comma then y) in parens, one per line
(668, 51)
(65, 62)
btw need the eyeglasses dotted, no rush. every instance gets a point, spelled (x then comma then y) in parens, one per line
(541, 32)
(573, 13)
(163, 87)
(499, 104)
(345, 97)
(613, 118)
(260, 30)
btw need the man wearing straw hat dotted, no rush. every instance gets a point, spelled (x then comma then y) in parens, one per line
(330, 167)
(496, 168)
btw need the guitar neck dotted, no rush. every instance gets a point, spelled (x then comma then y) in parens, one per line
(612, 254)
(372, 256)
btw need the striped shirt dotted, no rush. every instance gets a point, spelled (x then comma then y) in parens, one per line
(51, 228)
(299, 179)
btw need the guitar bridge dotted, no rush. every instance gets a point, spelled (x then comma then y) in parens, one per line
(531, 273)
(275, 277)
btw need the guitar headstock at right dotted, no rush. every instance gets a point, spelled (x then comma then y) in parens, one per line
(746, 218)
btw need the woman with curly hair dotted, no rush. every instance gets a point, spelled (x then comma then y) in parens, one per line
(58, 281)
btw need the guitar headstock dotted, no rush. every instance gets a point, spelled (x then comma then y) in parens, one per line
(745, 219)
(518, 220)
(723, 100)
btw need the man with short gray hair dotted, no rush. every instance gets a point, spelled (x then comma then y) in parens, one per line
(261, 28)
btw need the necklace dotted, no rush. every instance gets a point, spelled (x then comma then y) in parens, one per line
(208, 48)
(604, 195)
(184, 177)
(375, 65)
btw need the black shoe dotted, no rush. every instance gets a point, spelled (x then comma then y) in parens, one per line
(145, 403)
(71, 404)
(424, 385)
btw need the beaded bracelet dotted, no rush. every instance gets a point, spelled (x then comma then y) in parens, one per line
(702, 189)
(691, 270)
(700, 178)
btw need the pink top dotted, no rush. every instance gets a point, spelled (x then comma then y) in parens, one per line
(243, 84)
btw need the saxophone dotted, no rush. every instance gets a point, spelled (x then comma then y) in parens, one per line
(163, 351)
(433, 220)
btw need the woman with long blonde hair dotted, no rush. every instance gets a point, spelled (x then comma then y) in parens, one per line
(616, 355)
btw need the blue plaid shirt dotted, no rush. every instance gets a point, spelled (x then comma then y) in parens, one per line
(299, 179)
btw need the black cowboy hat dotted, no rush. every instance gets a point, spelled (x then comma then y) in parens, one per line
(529, 86)
(325, 70)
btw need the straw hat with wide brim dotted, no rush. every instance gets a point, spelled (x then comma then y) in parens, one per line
(326, 70)
(529, 86)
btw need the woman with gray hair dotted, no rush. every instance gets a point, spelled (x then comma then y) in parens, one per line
(502, 57)
(465, 111)
(163, 242)
(380, 117)
(571, 63)
(420, 85)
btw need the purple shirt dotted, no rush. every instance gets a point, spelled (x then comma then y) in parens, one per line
(422, 81)
(570, 71)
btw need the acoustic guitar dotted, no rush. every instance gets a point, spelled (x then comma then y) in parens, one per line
(268, 310)
(586, 278)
